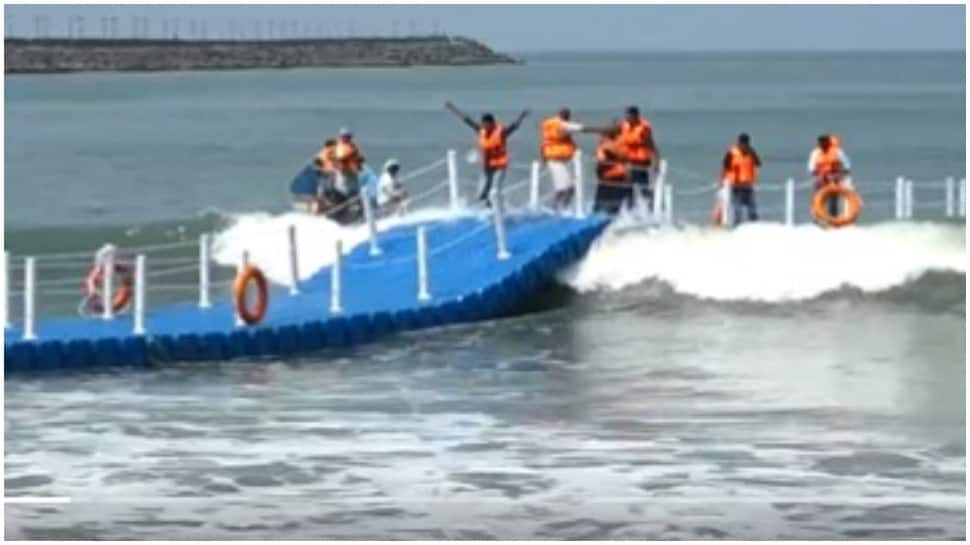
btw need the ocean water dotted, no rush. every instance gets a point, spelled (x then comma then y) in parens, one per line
(681, 382)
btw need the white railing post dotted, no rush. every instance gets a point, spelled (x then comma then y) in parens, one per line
(498, 205)
(335, 305)
(375, 249)
(900, 198)
(534, 186)
(950, 197)
(578, 180)
(963, 197)
(909, 199)
(669, 204)
(452, 160)
(790, 202)
(204, 263)
(107, 285)
(639, 204)
(424, 295)
(139, 311)
(6, 289)
(727, 211)
(294, 261)
(658, 190)
(30, 279)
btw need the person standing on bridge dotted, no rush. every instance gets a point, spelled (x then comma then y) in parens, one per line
(740, 170)
(492, 137)
(557, 149)
(614, 189)
(348, 161)
(636, 137)
(828, 164)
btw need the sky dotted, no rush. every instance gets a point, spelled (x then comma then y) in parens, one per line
(528, 28)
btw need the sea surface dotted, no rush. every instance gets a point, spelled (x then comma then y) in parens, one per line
(682, 382)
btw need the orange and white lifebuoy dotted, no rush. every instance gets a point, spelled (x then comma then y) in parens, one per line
(94, 282)
(853, 205)
(248, 275)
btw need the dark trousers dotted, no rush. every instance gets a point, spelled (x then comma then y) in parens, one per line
(640, 177)
(490, 178)
(610, 198)
(743, 197)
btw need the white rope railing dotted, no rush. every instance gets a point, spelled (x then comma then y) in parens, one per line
(422, 170)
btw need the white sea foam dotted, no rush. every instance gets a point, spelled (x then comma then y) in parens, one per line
(264, 236)
(769, 262)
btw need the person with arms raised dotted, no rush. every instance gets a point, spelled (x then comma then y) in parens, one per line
(492, 138)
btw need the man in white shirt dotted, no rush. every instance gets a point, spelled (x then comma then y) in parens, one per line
(829, 164)
(558, 150)
(818, 164)
(390, 193)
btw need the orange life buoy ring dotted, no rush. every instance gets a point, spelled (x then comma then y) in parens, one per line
(241, 287)
(853, 205)
(94, 281)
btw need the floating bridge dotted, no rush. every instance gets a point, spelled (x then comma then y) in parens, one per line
(411, 276)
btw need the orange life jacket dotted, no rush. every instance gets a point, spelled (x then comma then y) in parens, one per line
(557, 144)
(743, 171)
(633, 137)
(326, 158)
(492, 145)
(609, 162)
(347, 157)
(828, 162)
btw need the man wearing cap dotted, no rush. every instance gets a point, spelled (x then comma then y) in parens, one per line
(390, 192)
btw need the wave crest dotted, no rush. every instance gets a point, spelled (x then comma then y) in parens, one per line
(768, 262)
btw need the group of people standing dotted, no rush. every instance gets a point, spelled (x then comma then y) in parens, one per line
(626, 156)
(828, 164)
(627, 159)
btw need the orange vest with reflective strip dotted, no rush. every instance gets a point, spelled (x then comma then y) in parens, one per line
(492, 145)
(609, 162)
(743, 170)
(346, 157)
(827, 162)
(557, 145)
(633, 137)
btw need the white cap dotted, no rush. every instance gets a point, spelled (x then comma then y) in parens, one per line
(102, 254)
(344, 131)
(391, 163)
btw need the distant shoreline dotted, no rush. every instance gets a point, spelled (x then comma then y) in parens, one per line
(53, 56)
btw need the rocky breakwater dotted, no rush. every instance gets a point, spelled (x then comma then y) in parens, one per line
(23, 56)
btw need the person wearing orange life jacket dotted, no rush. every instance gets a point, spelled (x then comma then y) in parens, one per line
(741, 164)
(614, 187)
(636, 137)
(347, 161)
(492, 138)
(326, 165)
(557, 151)
(828, 164)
